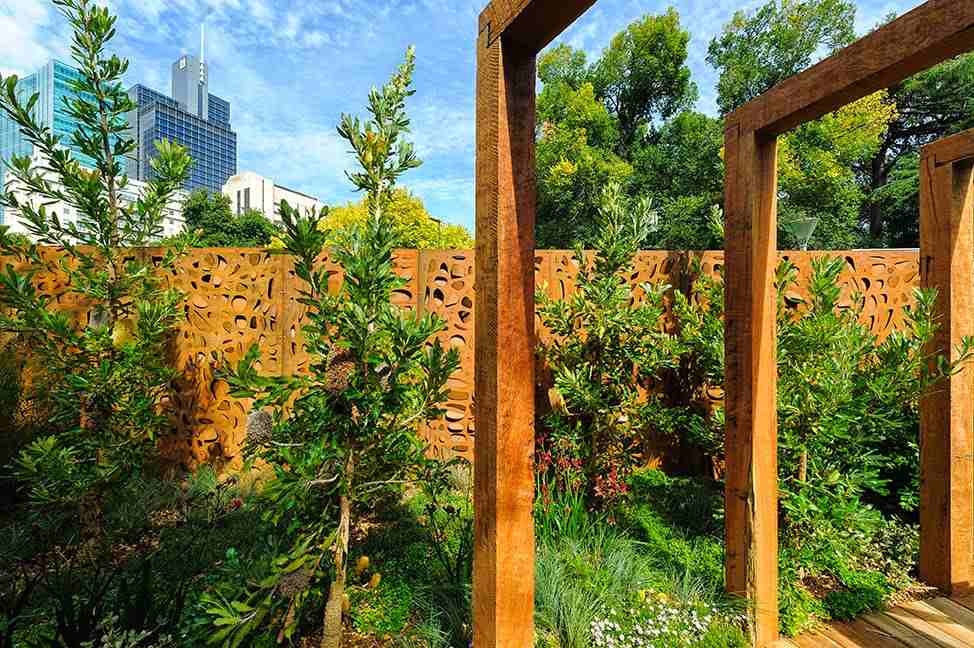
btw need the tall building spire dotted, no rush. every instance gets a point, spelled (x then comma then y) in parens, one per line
(203, 42)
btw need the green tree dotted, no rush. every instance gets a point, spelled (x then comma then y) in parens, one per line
(347, 430)
(210, 222)
(109, 363)
(412, 226)
(577, 108)
(818, 166)
(571, 176)
(593, 119)
(643, 76)
(683, 171)
(563, 63)
(930, 105)
(575, 162)
(899, 199)
(821, 162)
(758, 50)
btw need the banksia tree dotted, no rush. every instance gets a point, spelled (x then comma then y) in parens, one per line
(108, 359)
(347, 429)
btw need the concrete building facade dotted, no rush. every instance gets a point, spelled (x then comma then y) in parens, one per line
(172, 222)
(249, 190)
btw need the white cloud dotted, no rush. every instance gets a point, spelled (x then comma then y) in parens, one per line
(441, 127)
(312, 158)
(451, 199)
(27, 42)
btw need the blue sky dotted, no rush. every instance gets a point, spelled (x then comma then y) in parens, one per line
(290, 69)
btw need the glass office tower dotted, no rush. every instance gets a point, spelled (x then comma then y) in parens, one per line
(192, 117)
(52, 83)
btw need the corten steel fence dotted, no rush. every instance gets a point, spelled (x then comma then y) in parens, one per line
(239, 297)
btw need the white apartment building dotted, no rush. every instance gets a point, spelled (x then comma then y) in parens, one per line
(172, 222)
(248, 190)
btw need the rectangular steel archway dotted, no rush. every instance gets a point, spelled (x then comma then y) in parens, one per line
(511, 33)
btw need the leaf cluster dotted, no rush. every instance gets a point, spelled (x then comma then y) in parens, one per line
(606, 348)
(347, 427)
(108, 356)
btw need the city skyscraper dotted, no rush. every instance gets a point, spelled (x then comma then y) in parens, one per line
(192, 117)
(52, 83)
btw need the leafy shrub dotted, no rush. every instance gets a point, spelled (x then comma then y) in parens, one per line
(347, 430)
(383, 610)
(848, 402)
(114, 637)
(864, 592)
(693, 505)
(670, 548)
(19, 413)
(605, 350)
(892, 550)
(85, 390)
(848, 412)
(257, 594)
(110, 364)
(447, 521)
(798, 609)
(692, 411)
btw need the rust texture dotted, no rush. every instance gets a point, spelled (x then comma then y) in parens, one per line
(239, 297)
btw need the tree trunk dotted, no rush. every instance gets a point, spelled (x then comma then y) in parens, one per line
(332, 633)
(803, 467)
(878, 179)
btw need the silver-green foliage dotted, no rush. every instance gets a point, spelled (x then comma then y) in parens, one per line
(347, 429)
(108, 364)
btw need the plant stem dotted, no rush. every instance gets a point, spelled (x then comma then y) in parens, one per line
(332, 633)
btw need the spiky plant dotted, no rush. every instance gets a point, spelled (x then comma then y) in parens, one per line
(347, 429)
(107, 358)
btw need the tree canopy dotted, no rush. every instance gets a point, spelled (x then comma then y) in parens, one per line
(643, 76)
(759, 49)
(413, 226)
(628, 118)
(210, 221)
(594, 118)
(928, 106)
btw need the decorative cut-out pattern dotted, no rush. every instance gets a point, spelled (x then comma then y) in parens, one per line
(234, 299)
(239, 297)
(447, 290)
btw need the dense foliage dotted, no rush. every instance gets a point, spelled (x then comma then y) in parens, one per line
(931, 105)
(110, 361)
(595, 118)
(89, 384)
(411, 225)
(603, 354)
(633, 364)
(341, 527)
(347, 429)
(628, 117)
(209, 221)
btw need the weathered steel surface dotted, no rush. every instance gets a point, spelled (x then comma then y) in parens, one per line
(239, 297)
